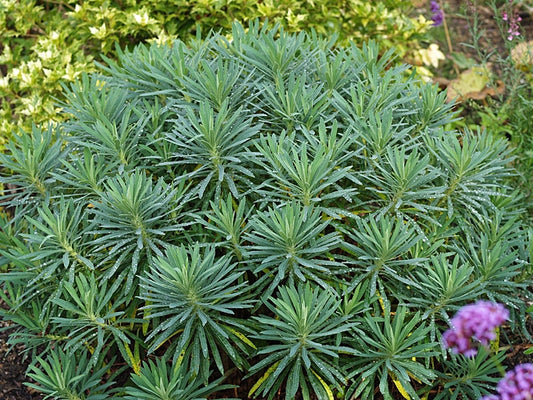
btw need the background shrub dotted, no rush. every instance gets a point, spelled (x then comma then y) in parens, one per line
(269, 206)
(45, 43)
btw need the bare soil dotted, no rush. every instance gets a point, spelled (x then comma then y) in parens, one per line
(13, 369)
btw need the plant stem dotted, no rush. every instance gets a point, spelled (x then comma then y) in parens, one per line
(447, 34)
(446, 31)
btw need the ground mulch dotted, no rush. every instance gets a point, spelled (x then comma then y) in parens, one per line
(13, 369)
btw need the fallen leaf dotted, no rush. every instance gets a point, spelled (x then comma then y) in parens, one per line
(472, 84)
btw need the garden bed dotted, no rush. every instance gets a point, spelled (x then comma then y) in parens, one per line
(12, 366)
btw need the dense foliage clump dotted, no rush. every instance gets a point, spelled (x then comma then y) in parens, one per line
(269, 209)
(43, 43)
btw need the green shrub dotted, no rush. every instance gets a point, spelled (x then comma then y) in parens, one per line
(45, 43)
(269, 207)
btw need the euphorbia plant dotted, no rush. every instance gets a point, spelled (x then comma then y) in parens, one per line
(271, 206)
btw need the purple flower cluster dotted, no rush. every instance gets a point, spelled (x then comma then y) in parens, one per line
(514, 26)
(516, 385)
(514, 21)
(437, 14)
(474, 323)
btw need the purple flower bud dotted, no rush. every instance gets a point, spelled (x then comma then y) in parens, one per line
(474, 323)
(437, 15)
(434, 6)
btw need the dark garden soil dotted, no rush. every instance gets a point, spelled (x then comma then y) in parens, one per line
(13, 369)
(458, 17)
(12, 363)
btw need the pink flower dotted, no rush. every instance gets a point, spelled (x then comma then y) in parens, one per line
(516, 385)
(474, 323)
(514, 26)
